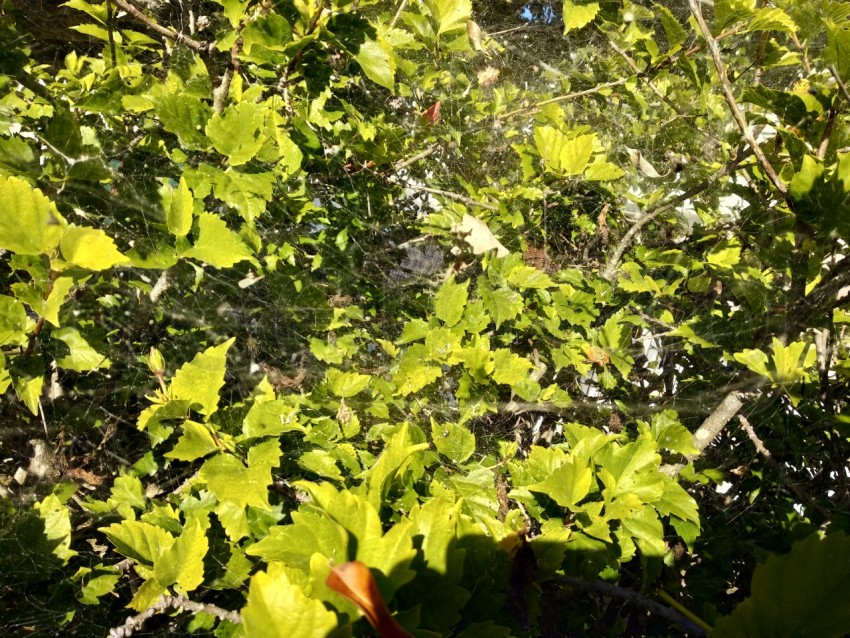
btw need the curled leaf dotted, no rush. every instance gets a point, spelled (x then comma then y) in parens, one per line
(354, 581)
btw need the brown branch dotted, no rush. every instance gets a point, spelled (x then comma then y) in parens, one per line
(613, 262)
(135, 623)
(198, 47)
(779, 468)
(827, 131)
(737, 114)
(636, 598)
(314, 23)
(843, 87)
(711, 428)
(401, 6)
(642, 76)
(412, 160)
(530, 110)
(455, 196)
(220, 94)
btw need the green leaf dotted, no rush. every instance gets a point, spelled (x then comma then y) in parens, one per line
(271, 31)
(450, 15)
(670, 434)
(238, 132)
(837, 51)
(30, 224)
(346, 384)
(771, 19)
(676, 34)
(277, 608)
(561, 154)
(229, 479)
(83, 357)
(57, 526)
(503, 304)
(392, 460)
(529, 277)
(138, 540)
(412, 374)
(29, 390)
(755, 360)
(13, 322)
(453, 441)
(450, 301)
(510, 368)
(803, 593)
(195, 443)
(322, 463)
(568, 484)
(378, 62)
(200, 380)
(217, 245)
(179, 206)
(271, 418)
(234, 10)
(578, 16)
(183, 563)
(90, 248)
(186, 117)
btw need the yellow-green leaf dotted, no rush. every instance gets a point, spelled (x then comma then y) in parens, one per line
(29, 223)
(90, 248)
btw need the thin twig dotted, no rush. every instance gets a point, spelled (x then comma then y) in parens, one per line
(637, 599)
(779, 468)
(198, 47)
(529, 110)
(613, 262)
(834, 72)
(827, 132)
(412, 160)
(135, 623)
(401, 7)
(455, 196)
(220, 94)
(640, 74)
(737, 114)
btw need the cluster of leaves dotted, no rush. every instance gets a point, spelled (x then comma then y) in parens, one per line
(215, 225)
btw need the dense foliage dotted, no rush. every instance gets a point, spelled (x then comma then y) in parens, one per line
(537, 311)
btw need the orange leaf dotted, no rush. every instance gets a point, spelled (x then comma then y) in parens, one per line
(354, 581)
(431, 115)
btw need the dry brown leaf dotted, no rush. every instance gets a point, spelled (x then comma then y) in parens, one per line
(479, 236)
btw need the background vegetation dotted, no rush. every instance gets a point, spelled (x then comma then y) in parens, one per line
(538, 312)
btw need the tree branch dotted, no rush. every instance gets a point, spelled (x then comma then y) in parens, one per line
(637, 599)
(198, 47)
(613, 262)
(840, 83)
(135, 623)
(529, 110)
(711, 428)
(740, 119)
(455, 196)
(412, 160)
(779, 468)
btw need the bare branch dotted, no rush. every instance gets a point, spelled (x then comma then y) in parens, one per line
(135, 623)
(412, 160)
(455, 196)
(613, 262)
(198, 47)
(840, 83)
(636, 598)
(740, 119)
(711, 428)
(779, 468)
(401, 6)
(530, 110)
